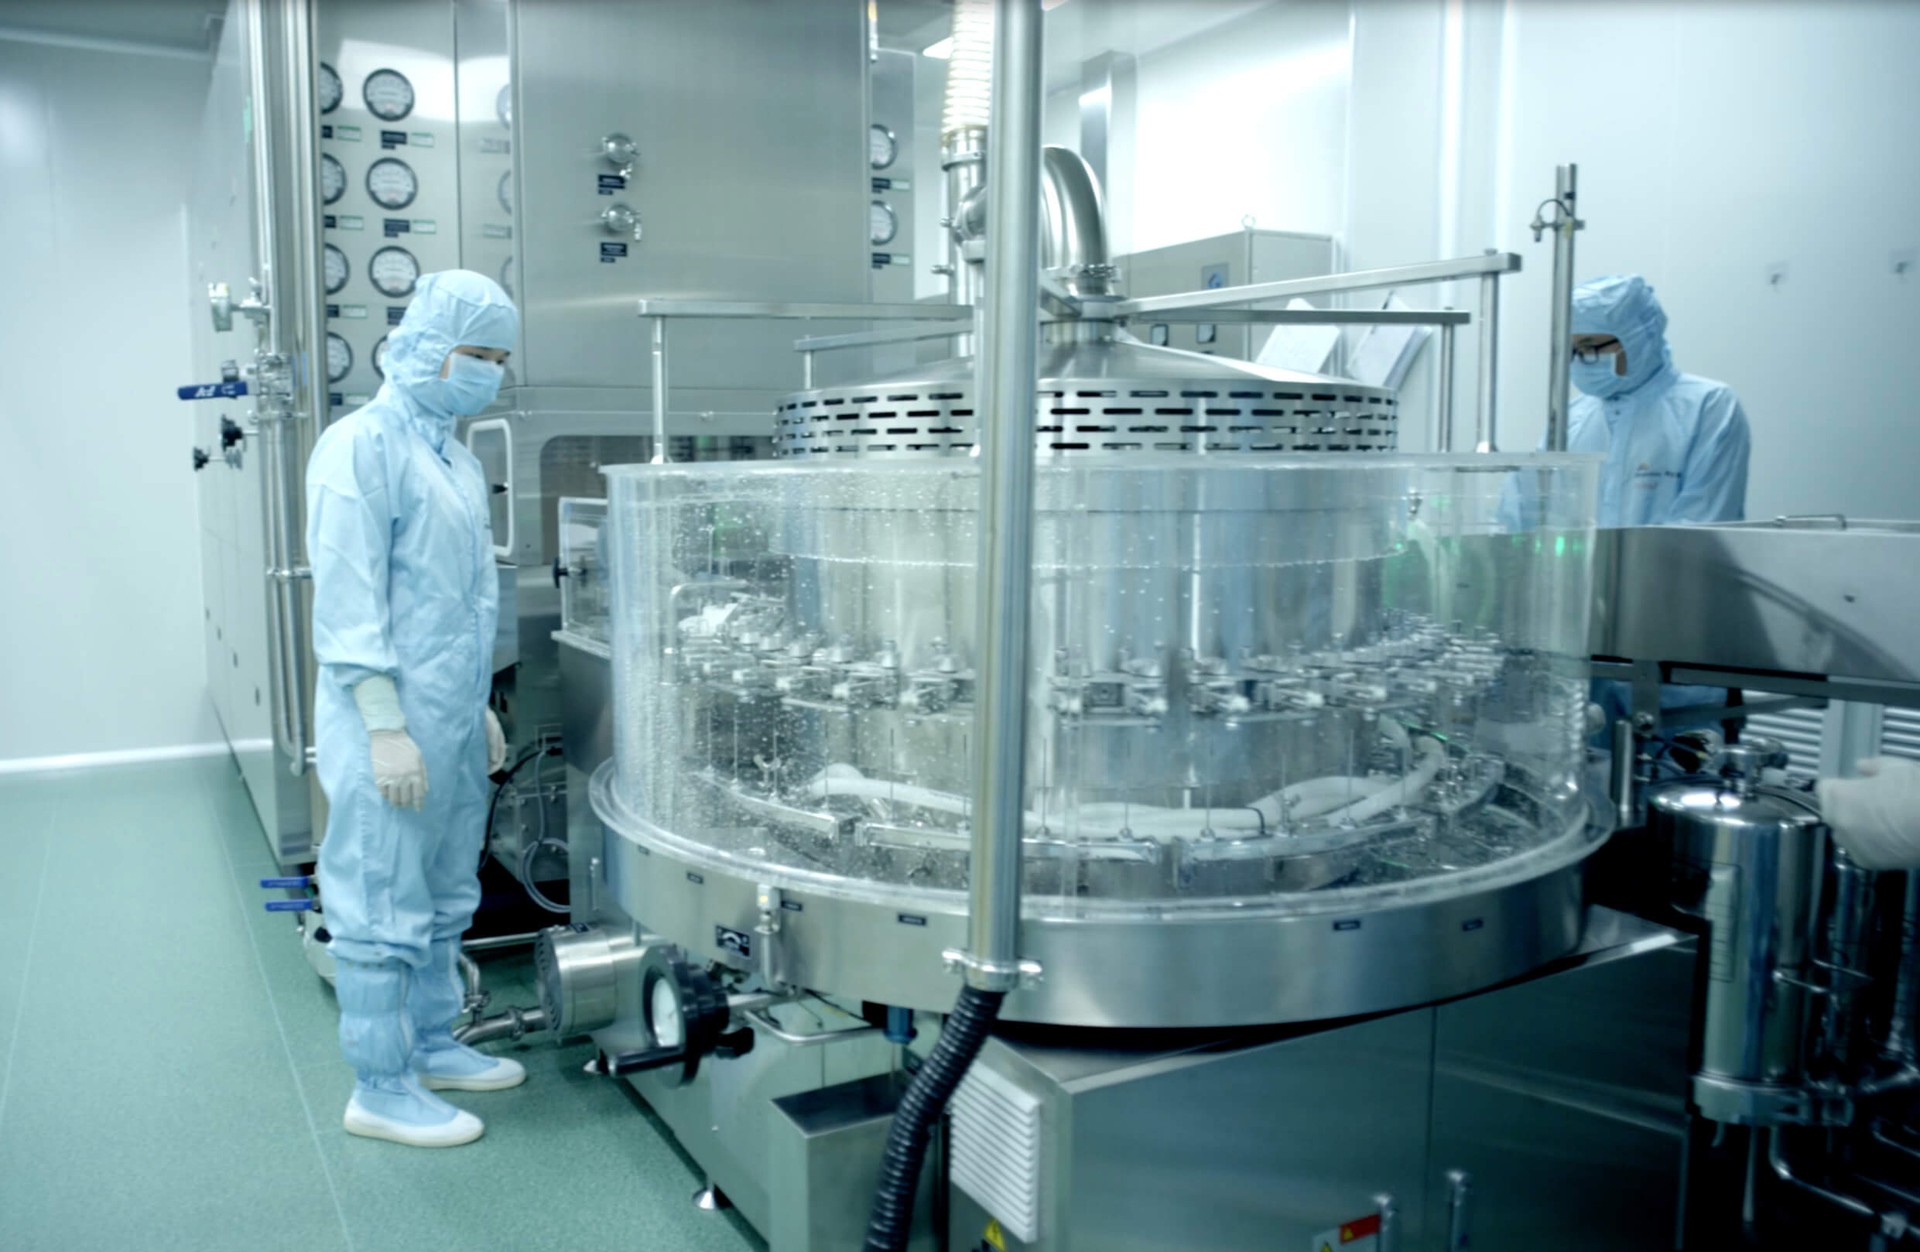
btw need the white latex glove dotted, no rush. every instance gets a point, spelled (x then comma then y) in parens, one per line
(1876, 817)
(496, 745)
(399, 771)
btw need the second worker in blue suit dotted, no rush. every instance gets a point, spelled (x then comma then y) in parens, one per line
(1676, 444)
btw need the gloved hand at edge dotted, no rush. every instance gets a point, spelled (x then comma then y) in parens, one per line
(1876, 817)
(496, 744)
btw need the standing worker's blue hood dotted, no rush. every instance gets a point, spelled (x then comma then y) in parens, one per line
(449, 309)
(1624, 306)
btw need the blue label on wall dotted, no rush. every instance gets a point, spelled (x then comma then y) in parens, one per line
(882, 259)
(326, 131)
(394, 313)
(394, 227)
(611, 252)
(336, 399)
(882, 184)
(333, 310)
(391, 139)
(610, 183)
(328, 220)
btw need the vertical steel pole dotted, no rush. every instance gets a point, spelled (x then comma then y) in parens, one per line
(1566, 180)
(1008, 359)
(1443, 438)
(1485, 427)
(660, 456)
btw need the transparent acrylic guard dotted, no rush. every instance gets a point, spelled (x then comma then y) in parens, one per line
(1290, 685)
(585, 593)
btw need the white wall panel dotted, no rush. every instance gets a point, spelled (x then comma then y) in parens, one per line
(100, 642)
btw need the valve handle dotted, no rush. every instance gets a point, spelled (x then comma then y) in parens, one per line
(212, 391)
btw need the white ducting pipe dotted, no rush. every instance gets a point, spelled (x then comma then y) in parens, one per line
(969, 68)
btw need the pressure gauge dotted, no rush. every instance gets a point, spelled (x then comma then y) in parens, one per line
(505, 192)
(333, 179)
(394, 272)
(337, 270)
(380, 357)
(391, 183)
(882, 225)
(329, 88)
(388, 94)
(663, 1014)
(339, 358)
(506, 276)
(503, 105)
(881, 147)
(686, 1011)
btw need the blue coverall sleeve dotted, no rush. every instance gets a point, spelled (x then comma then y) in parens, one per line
(1713, 486)
(349, 544)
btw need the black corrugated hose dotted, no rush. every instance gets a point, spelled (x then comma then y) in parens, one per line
(919, 1112)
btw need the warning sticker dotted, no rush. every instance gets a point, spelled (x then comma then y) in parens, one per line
(994, 1237)
(1359, 1235)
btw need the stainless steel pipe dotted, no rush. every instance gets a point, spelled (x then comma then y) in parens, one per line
(1443, 438)
(1485, 433)
(1006, 377)
(1076, 233)
(660, 391)
(1566, 181)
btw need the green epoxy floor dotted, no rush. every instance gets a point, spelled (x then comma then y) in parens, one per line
(169, 1078)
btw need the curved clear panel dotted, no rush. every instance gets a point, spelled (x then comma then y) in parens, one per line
(1288, 685)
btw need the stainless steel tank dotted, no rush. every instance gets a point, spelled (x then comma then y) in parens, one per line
(1746, 861)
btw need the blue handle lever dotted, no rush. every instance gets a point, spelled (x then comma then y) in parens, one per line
(300, 883)
(212, 391)
(290, 906)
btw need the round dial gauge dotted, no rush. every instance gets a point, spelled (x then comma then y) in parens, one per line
(388, 94)
(506, 277)
(394, 272)
(882, 225)
(329, 88)
(506, 191)
(380, 357)
(337, 270)
(881, 148)
(503, 105)
(664, 1015)
(333, 179)
(339, 358)
(392, 183)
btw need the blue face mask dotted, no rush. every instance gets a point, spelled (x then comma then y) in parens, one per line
(1597, 379)
(471, 384)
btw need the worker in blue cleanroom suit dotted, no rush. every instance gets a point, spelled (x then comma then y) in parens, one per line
(404, 608)
(1676, 445)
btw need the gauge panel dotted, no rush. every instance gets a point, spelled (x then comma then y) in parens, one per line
(392, 183)
(393, 272)
(337, 269)
(333, 178)
(503, 105)
(388, 95)
(505, 192)
(339, 357)
(328, 88)
(380, 357)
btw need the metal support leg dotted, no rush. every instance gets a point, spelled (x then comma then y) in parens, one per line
(1485, 432)
(1443, 438)
(660, 456)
